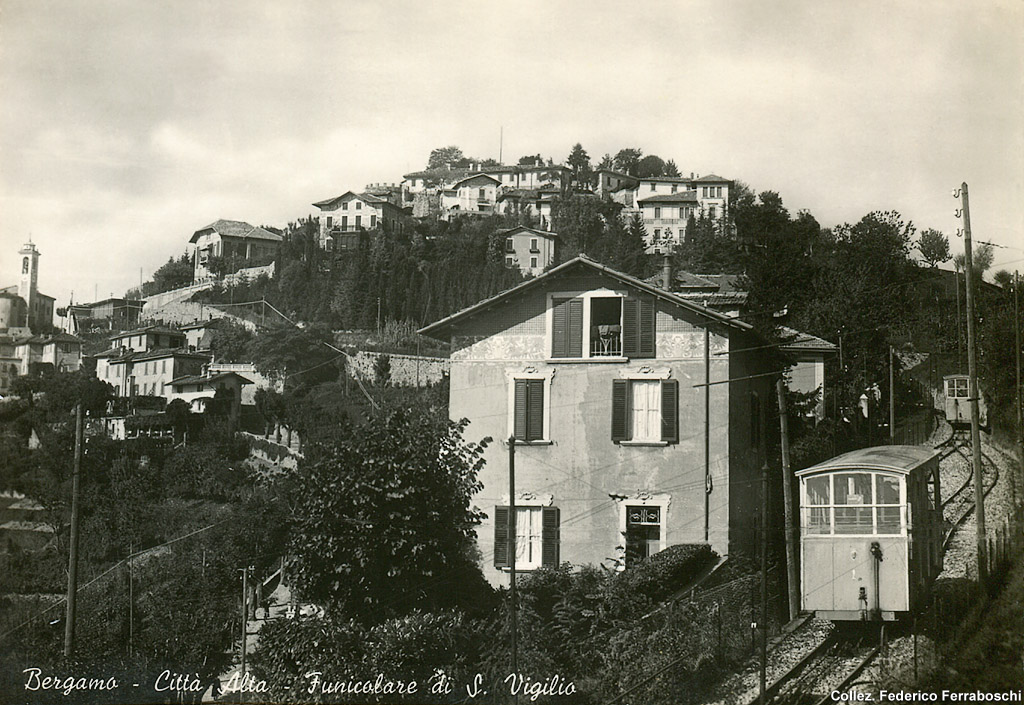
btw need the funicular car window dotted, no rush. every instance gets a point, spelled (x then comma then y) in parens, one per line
(818, 520)
(887, 497)
(853, 499)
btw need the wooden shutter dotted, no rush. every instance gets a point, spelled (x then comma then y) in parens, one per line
(501, 537)
(519, 426)
(575, 328)
(620, 420)
(630, 327)
(550, 538)
(535, 410)
(646, 327)
(670, 410)
(560, 328)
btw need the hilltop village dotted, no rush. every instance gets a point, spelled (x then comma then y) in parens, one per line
(343, 439)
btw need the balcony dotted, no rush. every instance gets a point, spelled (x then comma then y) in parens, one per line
(606, 341)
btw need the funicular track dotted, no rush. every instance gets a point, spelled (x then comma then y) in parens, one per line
(959, 506)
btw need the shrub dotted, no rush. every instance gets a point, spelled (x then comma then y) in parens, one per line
(665, 572)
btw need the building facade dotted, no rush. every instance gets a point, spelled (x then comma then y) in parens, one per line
(343, 217)
(236, 242)
(628, 438)
(532, 251)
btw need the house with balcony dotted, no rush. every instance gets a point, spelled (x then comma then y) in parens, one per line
(635, 417)
(344, 219)
(667, 202)
(147, 373)
(665, 216)
(149, 338)
(528, 249)
(473, 195)
(535, 204)
(237, 243)
(608, 180)
(200, 391)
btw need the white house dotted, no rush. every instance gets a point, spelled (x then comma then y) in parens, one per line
(532, 251)
(355, 212)
(235, 241)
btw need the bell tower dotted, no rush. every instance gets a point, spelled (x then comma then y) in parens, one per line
(28, 285)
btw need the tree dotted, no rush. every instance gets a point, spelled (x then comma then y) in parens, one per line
(531, 160)
(934, 247)
(579, 162)
(232, 341)
(444, 155)
(627, 159)
(579, 222)
(607, 162)
(670, 168)
(383, 522)
(981, 258)
(651, 165)
(173, 274)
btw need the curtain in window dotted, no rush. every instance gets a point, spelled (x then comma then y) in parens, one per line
(646, 400)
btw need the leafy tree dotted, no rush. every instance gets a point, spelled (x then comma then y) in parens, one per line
(607, 162)
(232, 341)
(383, 521)
(1004, 279)
(651, 165)
(531, 160)
(579, 222)
(670, 168)
(981, 257)
(579, 162)
(934, 247)
(444, 155)
(627, 160)
(173, 274)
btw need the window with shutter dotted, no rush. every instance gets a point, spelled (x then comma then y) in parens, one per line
(528, 407)
(638, 327)
(537, 537)
(567, 328)
(645, 411)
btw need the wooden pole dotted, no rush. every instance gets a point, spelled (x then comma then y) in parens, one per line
(972, 372)
(892, 400)
(787, 495)
(512, 552)
(69, 625)
(1020, 424)
(245, 613)
(764, 557)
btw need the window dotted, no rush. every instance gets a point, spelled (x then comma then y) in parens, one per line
(373, 221)
(861, 503)
(359, 222)
(957, 388)
(536, 540)
(510, 245)
(712, 212)
(704, 191)
(652, 186)
(533, 245)
(344, 206)
(330, 221)
(657, 212)
(674, 188)
(482, 194)
(643, 533)
(510, 262)
(344, 222)
(645, 411)
(528, 410)
(618, 326)
(533, 262)
(359, 206)
(657, 233)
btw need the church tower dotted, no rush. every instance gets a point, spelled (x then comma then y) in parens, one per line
(28, 285)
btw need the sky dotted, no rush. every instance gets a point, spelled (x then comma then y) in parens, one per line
(126, 126)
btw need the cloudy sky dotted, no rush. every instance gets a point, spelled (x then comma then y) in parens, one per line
(128, 125)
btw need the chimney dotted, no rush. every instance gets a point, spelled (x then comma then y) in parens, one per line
(692, 176)
(666, 272)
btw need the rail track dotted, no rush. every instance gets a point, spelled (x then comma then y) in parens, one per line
(959, 506)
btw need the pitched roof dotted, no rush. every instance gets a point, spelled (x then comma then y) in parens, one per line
(711, 178)
(437, 328)
(201, 379)
(155, 329)
(678, 197)
(478, 175)
(797, 341)
(522, 228)
(237, 228)
(665, 179)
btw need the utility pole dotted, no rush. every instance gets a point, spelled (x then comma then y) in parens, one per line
(959, 325)
(764, 555)
(787, 495)
(69, 624)
(972, 372)
(512, 552)
(245, 613)
(892, 401)
(131, 602)
(1016, 356)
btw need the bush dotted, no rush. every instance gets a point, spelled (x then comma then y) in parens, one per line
(665, 572)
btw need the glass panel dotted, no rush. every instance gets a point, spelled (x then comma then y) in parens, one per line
(889, 520)
(853, 488)
(817, 521)
(853, 520)
(887, 489)
(817, 490)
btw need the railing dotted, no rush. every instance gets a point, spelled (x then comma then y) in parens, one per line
(606, 341)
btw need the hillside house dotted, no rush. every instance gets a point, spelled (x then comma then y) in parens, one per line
(114, 313)
(667, 202)
(629, 435)
(665, 217)
(534, 203)
(532, 251)
(344, 217)
(608, 180)
(148, 338)
(476, 194)
(147, 373)
(199, 391)
(23, 308)
(236, 242)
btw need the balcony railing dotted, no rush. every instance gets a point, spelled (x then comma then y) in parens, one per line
(606, 341)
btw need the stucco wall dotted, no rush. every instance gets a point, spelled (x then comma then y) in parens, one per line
(406, 370)
(582, 467)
